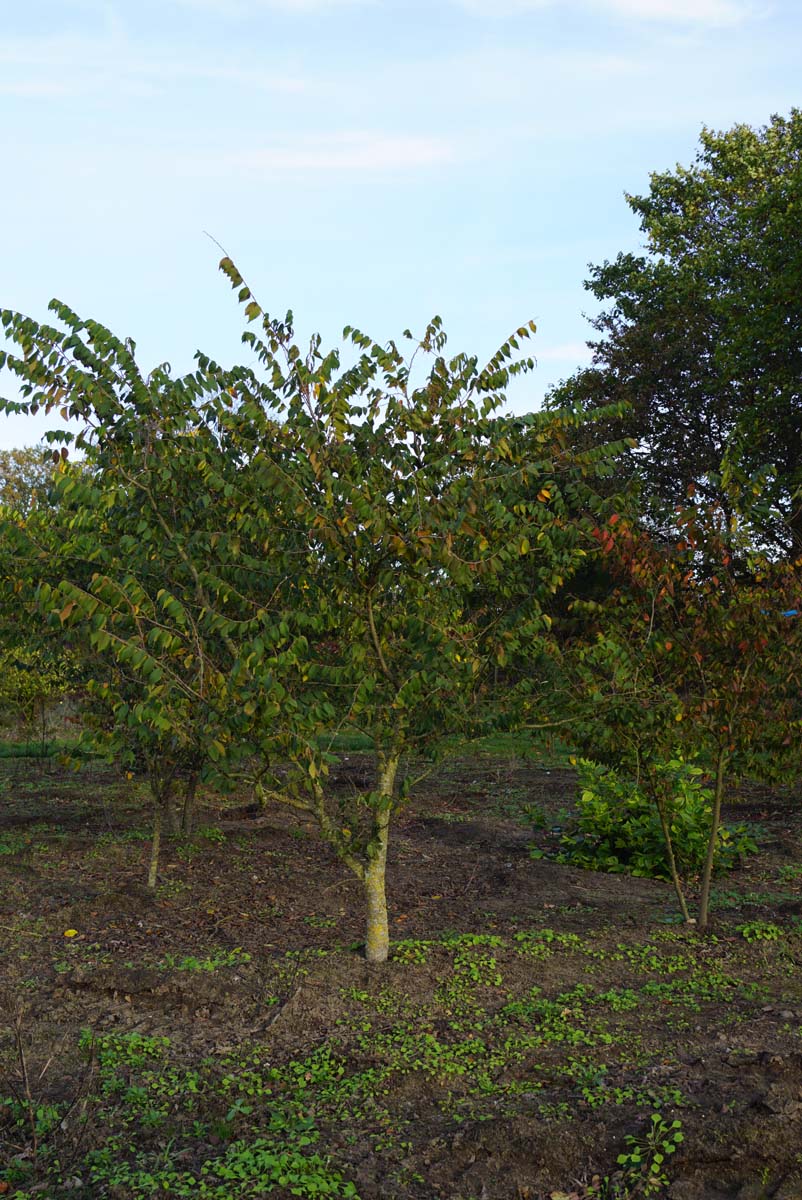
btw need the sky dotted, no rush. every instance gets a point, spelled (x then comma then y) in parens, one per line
(364, 162)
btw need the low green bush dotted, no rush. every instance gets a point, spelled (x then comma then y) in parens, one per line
(617, 827)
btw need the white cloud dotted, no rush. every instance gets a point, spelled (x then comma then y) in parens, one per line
(504, 8)
(345, 151)
(32, 89)
(677, 12)
(83, 65)
(241, 8)
(680, 12)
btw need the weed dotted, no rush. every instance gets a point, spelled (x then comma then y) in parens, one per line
(619, 999)
(14, 843)
(122, 836)
(515, 803)
(320, 922)
(211, 833)
(644, 1157)
(411, 950)
(220, 958)
(760, 931)
(170, 888)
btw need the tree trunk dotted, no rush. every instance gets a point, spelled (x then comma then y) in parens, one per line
(377, 937)
(715, 821)
(153, 869)
(672, 862)
(188, 810)
(43, 725)
(168, 808)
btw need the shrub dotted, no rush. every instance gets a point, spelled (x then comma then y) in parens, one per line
(617, 827)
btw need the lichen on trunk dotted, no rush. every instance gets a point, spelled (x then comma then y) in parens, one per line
(377, 935)
(374, 873)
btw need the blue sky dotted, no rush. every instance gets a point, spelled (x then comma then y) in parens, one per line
(363, 161)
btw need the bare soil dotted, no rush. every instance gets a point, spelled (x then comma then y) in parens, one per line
(532, 1018)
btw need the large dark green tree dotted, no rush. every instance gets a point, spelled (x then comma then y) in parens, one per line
(702, 333)
(26, 477)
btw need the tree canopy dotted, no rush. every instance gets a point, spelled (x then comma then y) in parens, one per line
(26, 477)
(248, 561)
(256, 557)
(702, 333)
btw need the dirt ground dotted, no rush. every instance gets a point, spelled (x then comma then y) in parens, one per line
(535, 1021)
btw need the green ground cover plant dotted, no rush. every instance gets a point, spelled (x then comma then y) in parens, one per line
(300, 1065)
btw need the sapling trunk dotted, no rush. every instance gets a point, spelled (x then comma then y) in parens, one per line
(672, 862)
(188, 809)
(43, 725)
(715, 822)
(170, 814)
(153, 869)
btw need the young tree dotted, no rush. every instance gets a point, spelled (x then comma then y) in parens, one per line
(430, 536)
(274, 552)
(692, 652)
(123, 560)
